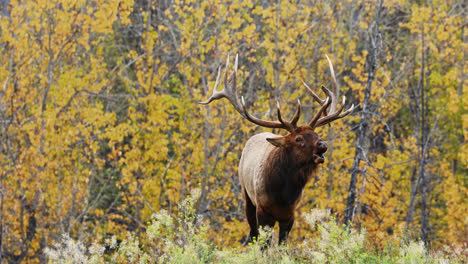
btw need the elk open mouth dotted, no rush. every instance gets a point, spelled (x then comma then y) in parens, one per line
(319, 158)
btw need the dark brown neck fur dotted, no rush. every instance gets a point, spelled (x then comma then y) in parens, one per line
(286, 176)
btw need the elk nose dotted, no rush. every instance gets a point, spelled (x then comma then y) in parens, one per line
(322, 146)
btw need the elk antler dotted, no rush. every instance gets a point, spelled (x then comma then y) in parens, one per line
(230, 92)
(334, 113)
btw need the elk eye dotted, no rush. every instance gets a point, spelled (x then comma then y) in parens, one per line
(299, 140)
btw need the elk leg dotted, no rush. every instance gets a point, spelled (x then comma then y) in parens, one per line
(285, 227)
(251, 213)
(265, 219)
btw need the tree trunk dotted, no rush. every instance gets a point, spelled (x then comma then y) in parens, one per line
(360, 153)
(422, 183)
(423, 150)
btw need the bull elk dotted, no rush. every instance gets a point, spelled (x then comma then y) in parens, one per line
(273, 169)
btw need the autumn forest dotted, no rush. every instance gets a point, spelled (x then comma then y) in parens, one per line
(101, 127)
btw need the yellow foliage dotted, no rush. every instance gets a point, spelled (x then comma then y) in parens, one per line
(100, 127)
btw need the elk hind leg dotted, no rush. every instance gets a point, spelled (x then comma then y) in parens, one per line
(251, 213)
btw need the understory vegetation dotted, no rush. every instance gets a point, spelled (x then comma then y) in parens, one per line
(184, 239)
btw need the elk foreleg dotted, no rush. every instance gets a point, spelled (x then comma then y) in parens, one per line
(285, 227)
(265, 219)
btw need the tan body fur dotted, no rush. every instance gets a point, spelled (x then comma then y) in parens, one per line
(252, 164)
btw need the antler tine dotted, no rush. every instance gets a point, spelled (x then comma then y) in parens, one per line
(233, 78)
(347, 112)
(314, 95)
(292, 125)
(230, 87)
(328, 93)
(236, 62)
(216, 95)
(335, 84)
(288, 125)
(314, 120)
(336, 115)
(297, 114)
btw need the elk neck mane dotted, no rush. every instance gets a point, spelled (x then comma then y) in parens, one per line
(285, 176)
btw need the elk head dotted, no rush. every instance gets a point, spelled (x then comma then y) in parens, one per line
(304, 143)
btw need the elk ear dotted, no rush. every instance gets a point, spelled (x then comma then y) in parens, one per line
(277, 142)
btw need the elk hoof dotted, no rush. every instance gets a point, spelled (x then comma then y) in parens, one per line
(246, 241)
